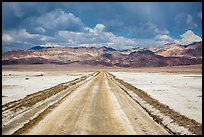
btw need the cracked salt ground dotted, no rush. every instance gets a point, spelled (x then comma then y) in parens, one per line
(170, 89)
(15, 80)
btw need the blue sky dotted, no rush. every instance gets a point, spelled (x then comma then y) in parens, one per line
(120, 25)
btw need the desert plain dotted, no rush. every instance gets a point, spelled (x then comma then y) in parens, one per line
(83, 99)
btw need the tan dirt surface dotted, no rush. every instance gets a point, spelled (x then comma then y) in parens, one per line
(98, 106)
(78, 67)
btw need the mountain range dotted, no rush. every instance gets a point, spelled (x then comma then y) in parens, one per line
(167, 55)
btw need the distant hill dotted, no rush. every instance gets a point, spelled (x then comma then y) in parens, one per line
(39, 48)
(175, 50)
(167, 55)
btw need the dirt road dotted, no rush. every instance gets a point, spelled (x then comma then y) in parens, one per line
(97, 107)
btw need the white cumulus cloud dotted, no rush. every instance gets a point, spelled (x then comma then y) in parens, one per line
(187, 38)
(96, 37)
(99, 27)
(163, 37)
(22, 36)
(6, 38)
(56, 20)
(50, 45)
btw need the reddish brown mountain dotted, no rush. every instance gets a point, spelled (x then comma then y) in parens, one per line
(175, 50)
(167, 55)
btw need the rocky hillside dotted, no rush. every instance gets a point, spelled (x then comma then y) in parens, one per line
(175, 50)
(167, 55)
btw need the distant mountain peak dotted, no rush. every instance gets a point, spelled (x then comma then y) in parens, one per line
(142, 51)
(108, 48)
(39, 48)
